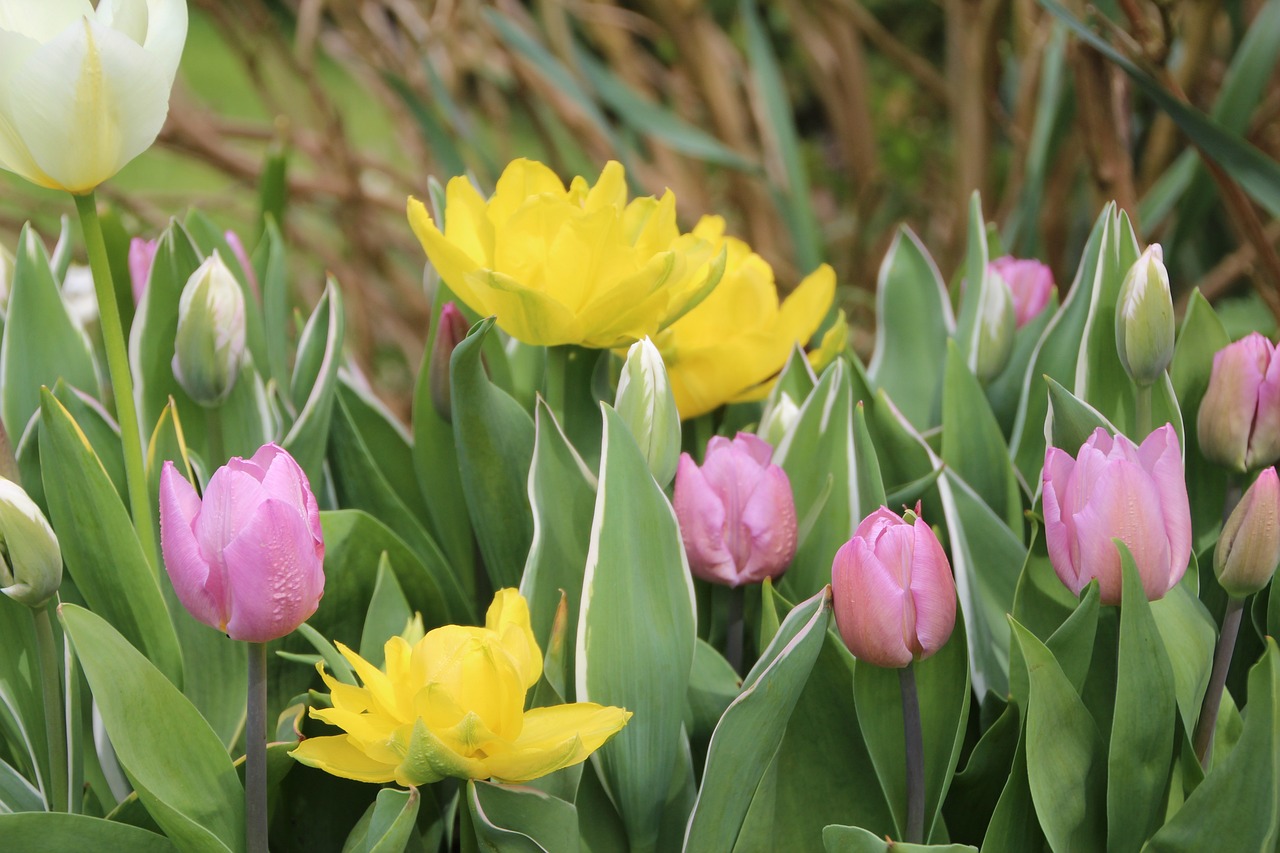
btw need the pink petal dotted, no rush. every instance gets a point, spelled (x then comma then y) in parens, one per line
(769, 519)
(1059, 527)
(754, 447)
(869, 607)
(1264, 441)
(702, 521)
(933, 590)
(231, 501)
(275, 579)
(1125, 505)
(1161, 456)
(285, 480)
(199, 586)
(874, 524)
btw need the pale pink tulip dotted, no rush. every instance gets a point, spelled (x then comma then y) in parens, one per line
(1239, 420)
(1114, 489)
(1030, 282)
(895, 598)
(737, 514)
(248, 559)
(1249, 549)
(142, 254)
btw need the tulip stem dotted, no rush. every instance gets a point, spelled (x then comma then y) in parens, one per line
(915, 754)
(255, 751)
(733, 644)
(121, 380)
(51, 687)
(554, 382)
(1207, 723)
(1142, 415)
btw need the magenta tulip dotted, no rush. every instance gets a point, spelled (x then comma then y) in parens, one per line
(1114, 489)
(895, 598)
(1239, 420)
(737, 515)
(1030, 282)
(248, 558)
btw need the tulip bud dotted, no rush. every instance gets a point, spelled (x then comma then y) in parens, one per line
(248, 557)
(1114, 489)
(1144, 318)
(450, 332)
(30, 559)
(6, 280)
(895, 598)
(209, 348)
(1249, 549)
(778, 420)
(737, 515)
(996, 326)
(1239, 420)
(648, 408)
(1030, 284)
(142, 254)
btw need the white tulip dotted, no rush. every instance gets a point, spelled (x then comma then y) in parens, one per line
(82, 90)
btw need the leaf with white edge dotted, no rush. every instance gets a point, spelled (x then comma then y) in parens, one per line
(60, 831)
(315, 373)
(388, 825)
(1071, 420)
(518, 819)
(98, 427)
(855, 839)
(17, 794)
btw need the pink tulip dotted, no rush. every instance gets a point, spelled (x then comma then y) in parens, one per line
(895, 598)
(248, 559)
(142, 254)
(1239, 420)
(737, 515)
(1114, 489)
(1249, 548)
(451, 331)
(1030, 282)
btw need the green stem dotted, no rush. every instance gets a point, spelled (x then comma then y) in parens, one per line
(255, 750)
(915, 754)
(1143, 415)
(1205, 726)
(121, 380)
(733, 645)
(554, 381)
(51, 687)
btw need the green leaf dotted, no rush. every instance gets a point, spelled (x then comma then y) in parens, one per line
(1100, 377)
(388, 825)
(179, 768)
(914, 321)
(752, 728)
(104, 556)
(713, 685)
(272, 267)
(494, 438)
(1065, 756)
(855, 839)
(315, 373)
(636, 630)
(1240, 798)
(975, 792)
(521, 819)
(388, 443)
(17, 794)
(1013, 827)
(210, 238)
(59, 831)
(41, 343)
(1073, 420)
(1138, 762)
(1190, 635)
(869, 482)
(969, 325)
(98, 427)
(387, 616)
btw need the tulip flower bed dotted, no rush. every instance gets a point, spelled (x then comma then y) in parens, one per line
(657, 563)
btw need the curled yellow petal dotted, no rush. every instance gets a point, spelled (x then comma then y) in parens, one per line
(336, 755)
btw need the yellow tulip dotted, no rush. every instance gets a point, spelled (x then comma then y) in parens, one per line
(731, 346)
(578, 266)
(452, 704)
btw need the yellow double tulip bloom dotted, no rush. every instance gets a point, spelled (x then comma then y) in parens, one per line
(452, 704)
(578, 266)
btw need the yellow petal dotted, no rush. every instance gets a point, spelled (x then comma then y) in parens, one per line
(610, 190)
(520, 180)
(380, 688)
(466, 221)
(526, 315)
(452, 263)
(508, 616)
(337, 756)
(556, 737)
(802, 311)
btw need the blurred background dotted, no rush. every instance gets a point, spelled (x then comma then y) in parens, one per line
(816, 127)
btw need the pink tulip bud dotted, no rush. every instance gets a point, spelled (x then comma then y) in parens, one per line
(450, 332)
(895, 598)
(1114, 489)
(1249, 549)
(248, 558)
(1030, 282)
(737, 515)
(1239, 420)
(142, 254)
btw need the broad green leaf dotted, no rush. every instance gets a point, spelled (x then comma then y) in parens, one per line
(388, 825)
(1066, 763)
(247, 419)
(1013, 827)
(315, 373)
(1100, 378)
(636, 630)
(913, 323)
(41, 343)
(713, 685)
(975, 790)
(17, 794)
(388, 442)
(99, 428)
(387, 616)
(1004, 393)
(168, 444)
(116, 239)
(179, 768)
(21, 707)
(855, 839)
(521, 819)
(869, 482)
(1145, 720)
(60, 831)
(273, 274)
(494, 438)
(104, 556)
(969, 329)
(1072, 420)
(1190, 635)
(753, 727)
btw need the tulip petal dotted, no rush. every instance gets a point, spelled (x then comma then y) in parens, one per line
(231, 500)
(701, 514)
(769, 519)
(380, 687)
(337, 756)
(556, 737)
(15, 49)
(453, 264)
(275, 580)
(1264, 438)
(44, 20)
(201, 589)
(1124, 505)
(869, 606)
(933, 591)
(285, 480)
(1161, 456)
(1059, 523)
(527, 315)
(166, 33)
(508, 616)
(521, 179)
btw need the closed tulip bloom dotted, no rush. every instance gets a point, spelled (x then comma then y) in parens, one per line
(30, 559)
(248, 558)
(1144, 318)
(82, 90)
(142, 255)
(647, 407)
(1030, 283)
(1249, 548)
(451, 330)
(1114, 489)
(452, 705)
(895, 598)
(209, 348)
(737, 514)
(1239, 420)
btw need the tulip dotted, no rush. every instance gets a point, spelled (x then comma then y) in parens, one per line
(248, 559)
(1239, 420)
(732, 345)
(1030, 283)
(450, 332)
(895, 598)
(82, 90)
(736, 513)
(996, 327)
(778, 420)
(578, 266)
(30, 559)
(647, 407)
(142, 255)
(1114, 489)
(1249, 549)
(1144, 318)
(452, 705)
(209, 349)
